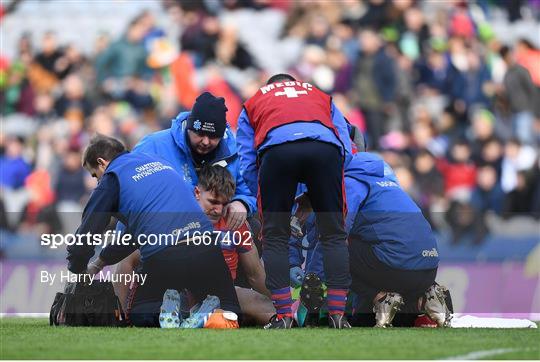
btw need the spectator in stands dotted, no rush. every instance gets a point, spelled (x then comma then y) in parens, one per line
(482, 131)
(458, 171)
(519, 200)
(463, 222)
(18, 93)
(433, 73)
(470, 77)
(492, 154)
(51, 58)
(14, 167)
(517, 158)
(486, 198)
(70, 185)
(528, 56)
(374, 84)
(519, 178)
(39, 215)
(124, 58)
(415, 37)
(487, 195)
(429, 181)
(200, 36)
(375, 15)
(521, 94)
(73, 97)
(44, 108)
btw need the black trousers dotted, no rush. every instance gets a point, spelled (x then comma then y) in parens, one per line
(201, 269)
(371, 276)
(320, 166)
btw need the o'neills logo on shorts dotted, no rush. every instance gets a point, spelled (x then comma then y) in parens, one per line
(188, 227)
(430, 253)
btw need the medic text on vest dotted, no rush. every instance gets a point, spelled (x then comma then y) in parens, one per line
(269, 87)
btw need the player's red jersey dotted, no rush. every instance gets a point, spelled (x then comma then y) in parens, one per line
(234, 243)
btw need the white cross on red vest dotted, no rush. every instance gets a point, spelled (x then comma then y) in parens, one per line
(290, 92)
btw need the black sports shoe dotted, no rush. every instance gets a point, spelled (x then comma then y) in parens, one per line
(282, 323)
(312, 293)
(338, 321)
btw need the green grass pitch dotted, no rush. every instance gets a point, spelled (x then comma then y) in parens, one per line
(35, 339)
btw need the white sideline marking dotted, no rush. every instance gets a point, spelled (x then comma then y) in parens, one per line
(483, 353)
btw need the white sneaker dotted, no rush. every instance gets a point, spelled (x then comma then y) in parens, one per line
(169, 313)
(386, 308)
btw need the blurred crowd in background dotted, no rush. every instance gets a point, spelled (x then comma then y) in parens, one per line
(450, 101)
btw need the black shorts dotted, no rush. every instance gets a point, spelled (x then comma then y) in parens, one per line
(371, 276)
(200, 269)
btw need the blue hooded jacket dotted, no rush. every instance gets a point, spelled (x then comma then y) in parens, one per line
(171, 145)
(387, 217)
(380, 213)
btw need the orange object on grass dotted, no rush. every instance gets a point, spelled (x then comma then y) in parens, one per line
(220, 319)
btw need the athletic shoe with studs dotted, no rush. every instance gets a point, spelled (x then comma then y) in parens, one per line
(281, 323)
(338, 321)
(201, 312)
(435, 306)
(312, 293)
(169, 313)
(386, 308)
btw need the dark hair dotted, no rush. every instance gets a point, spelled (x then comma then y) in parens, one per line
(503, 52)
(216, 179)
(280, 77)
(514, 140)
(101, 147)
(460, 141)
(424, 152)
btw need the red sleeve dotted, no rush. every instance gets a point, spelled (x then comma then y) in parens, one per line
(244, 243)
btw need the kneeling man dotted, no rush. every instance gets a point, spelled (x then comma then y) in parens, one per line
(150, 198)
(393, 253)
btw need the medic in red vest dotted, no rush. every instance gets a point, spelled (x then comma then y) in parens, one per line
(290, 132)
(287, 111)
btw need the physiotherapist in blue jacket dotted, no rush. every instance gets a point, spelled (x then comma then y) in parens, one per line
(199, 137)
(150, 198)
(393, 252)
(314, 259)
